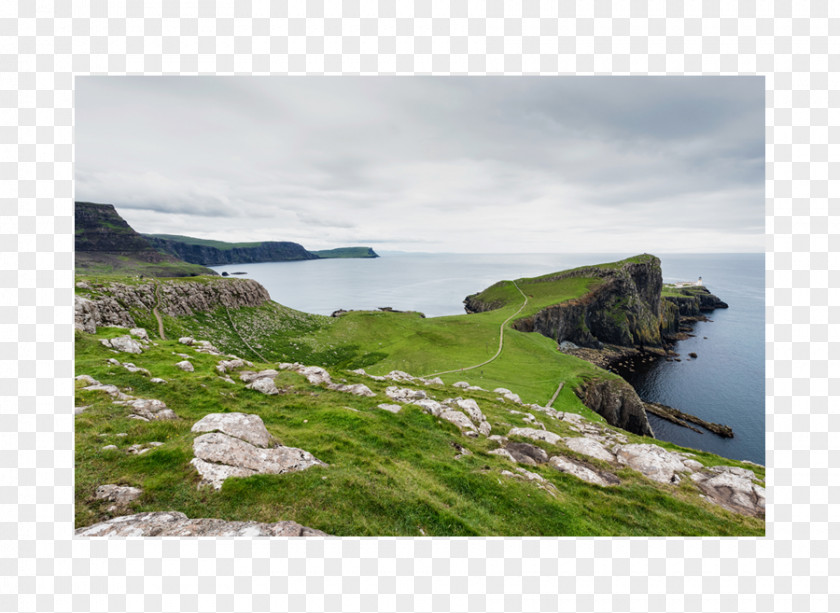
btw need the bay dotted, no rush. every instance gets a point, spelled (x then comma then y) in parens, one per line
(725, 384)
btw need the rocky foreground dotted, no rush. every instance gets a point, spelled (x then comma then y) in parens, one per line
(234, 445)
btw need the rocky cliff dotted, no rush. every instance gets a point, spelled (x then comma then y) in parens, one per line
(208, 255)
(105, 243)
(623, 309)
(617, 402)
(111, 304)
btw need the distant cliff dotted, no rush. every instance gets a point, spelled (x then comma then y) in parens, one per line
(200, 252)
(106, 244)
(218, 253)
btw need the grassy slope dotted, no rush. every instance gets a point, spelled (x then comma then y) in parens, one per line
(189, 240)
(114, 265)
(388, 474)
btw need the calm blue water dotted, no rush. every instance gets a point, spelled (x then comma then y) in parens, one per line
(725, 384)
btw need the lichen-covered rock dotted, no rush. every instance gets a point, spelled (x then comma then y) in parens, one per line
(404, 394)
(140, 333)
(732, 488)
(357, 389)
(149, 409)
(172, 523)
(249, 428)
(238, 445)
(249, 376)
(186, 366)
(431, 406)
(398, 375)
(590, 447)
(87, 379)
(222, 450)
(582, 472)
(226, 366)
(652, 461)
(471, 408)
(393, 408)
(124, 343)
(460, 420)
(264, 385)
(537, 435)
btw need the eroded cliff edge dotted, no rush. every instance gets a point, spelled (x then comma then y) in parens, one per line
(111, 303)
(624, 314)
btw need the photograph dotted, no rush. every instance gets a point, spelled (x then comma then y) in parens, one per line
(419, 306)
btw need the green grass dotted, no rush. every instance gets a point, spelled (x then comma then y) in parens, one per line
(189, 240)
(387, 475)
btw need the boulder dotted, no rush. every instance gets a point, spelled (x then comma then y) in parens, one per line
(186, 366)
(123, 343)
(503, 453)
(249, 428)
(461, 384)
(484, 428)
(357, 389)
(432, 381)
(157, 380)
(249, 376)
(404, 394)
(238, 445)
(460, 420)
(264, 385)
(315, 374)
(537, 435)
(220, 450)
(582, 472)
(171, 523)
(87, 379)
(732, 489)
(652, 461)
(525, 453)
(186, 340)
(590, 447)
(470, 407)
(393, 408)
(398, 375)
(226, 366)
(431, 406)
(140, 333)
(149, 409)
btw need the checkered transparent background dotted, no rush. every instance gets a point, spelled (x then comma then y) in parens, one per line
(44, 44)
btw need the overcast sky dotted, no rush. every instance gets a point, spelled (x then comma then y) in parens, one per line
(454, 164)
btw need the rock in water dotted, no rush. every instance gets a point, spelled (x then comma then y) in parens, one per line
(171, 523)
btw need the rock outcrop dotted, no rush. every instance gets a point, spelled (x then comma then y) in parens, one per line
(110, 304)
(238, 445)
(617, 402)
(172, 523)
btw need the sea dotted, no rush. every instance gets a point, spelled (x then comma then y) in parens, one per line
(723, 384)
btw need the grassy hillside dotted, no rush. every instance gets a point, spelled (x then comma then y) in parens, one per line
(347, 252)
(388, 474)
(189, 240)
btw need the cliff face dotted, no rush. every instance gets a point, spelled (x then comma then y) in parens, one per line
(106, 244)
(624, 309)
(211, 256)
(110, 304)
(617, 402)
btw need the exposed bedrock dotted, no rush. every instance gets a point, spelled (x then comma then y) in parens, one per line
(617, 402)
(110, 304)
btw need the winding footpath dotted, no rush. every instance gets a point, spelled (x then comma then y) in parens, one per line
(501, 339)
(156, 313)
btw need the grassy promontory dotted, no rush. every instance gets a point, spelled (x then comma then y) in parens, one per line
(408, 473)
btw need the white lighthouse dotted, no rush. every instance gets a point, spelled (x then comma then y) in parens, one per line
(699, 281)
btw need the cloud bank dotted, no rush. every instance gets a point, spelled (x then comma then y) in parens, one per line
(453, 164)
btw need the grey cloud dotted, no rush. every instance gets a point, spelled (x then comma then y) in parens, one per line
(438, 159)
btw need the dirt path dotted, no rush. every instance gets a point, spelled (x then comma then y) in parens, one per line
(501, 339)
(232, 325)
(156, 313)
(556, 393)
